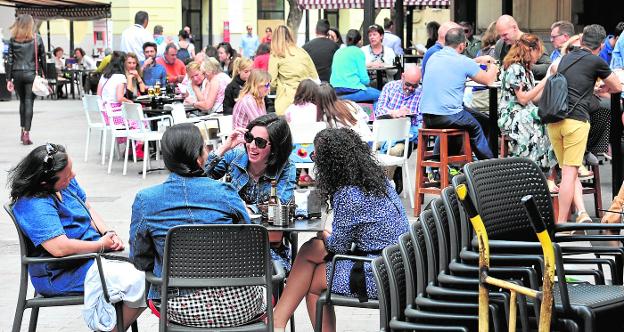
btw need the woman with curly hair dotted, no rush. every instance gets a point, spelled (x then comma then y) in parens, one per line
(348, 176)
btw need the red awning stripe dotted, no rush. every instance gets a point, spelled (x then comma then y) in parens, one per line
(354, 4)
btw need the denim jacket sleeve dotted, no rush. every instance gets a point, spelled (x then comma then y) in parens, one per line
(141, 243)
(286, 183)
(216, 166)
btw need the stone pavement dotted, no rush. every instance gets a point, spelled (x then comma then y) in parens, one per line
(111, 195)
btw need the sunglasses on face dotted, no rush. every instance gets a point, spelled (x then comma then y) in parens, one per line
(48, 160)
(261, 143)
(410, 85)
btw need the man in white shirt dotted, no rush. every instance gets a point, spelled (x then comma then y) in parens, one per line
(133, 38)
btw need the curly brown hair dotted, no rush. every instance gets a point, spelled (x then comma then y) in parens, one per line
(521, 50)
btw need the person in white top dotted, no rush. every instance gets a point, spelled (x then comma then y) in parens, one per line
(83, 60)
(133, 38)
(338, 113)
(376, 54)
(303, 108)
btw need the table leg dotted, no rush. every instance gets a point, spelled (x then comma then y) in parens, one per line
(615, 138)
(494, 131)
(379, 79)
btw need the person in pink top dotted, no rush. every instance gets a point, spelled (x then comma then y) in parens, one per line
(261, 60)
(250, 103)
(207, 85)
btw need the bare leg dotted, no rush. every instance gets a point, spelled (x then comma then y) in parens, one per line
(567, 191)
(301, 278)
(130, 315)
(319, 284)
(578, 196)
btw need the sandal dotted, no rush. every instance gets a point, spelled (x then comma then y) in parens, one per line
(584, 173)
(552, 186)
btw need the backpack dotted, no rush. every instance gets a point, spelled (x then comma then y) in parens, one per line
(553, 105)
(183, 54)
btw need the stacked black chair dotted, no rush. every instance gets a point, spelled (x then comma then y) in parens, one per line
(497, 187)
(200, 256)
(38, 301)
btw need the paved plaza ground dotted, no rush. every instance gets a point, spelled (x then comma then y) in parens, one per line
(111, 195)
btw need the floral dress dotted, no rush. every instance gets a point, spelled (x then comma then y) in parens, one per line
(527, 135)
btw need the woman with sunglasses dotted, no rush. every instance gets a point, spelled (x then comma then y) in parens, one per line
(250, 103)
(52, 211)
(189, 197)
(252, 166)
(367, 213)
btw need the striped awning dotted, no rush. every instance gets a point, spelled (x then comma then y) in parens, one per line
(354, 4)
(77, 10)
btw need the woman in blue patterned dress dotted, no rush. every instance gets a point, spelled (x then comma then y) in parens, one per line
(367, 213)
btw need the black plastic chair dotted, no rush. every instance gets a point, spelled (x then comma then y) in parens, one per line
(330, 299)
(497, 187)
(39, 301)
(200, 256)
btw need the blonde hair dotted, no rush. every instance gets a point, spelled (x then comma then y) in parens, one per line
(241, 64)
(23, 28)
(211, 66)
(194, 66)
(256, 78)
(136, 58)
(282, 42)
(567, 46)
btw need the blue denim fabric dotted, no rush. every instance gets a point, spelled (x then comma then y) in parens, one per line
(235, 162)
(369, 94)
(461, 120)
(178, 201)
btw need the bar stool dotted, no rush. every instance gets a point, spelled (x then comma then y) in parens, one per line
(423, 160)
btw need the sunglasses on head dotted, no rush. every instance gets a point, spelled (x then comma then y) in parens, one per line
(48, 160)
(261, 143)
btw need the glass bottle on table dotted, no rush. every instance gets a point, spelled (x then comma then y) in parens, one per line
(273, 203)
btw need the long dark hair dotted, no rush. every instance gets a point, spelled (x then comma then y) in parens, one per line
(117, 64)
(181, 145)
(32, 177)
(307, 92)
(279, 137)
(343, 159)
(331, 109)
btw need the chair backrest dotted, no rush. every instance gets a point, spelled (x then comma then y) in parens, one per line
(389, 131)
(431, 243)
(442, 226)
(497, 187)
(92, 105)
(134, 112)
(394, 261)
(304, 133)
(50, 71)
(199, 256)
(464, 224)
(417, 233)
(451, 206)
(409, 261)
(178, 114)
(26, 246)
(225, 124)
(382, 278)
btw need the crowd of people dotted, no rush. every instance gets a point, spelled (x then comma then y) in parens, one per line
(325, 80)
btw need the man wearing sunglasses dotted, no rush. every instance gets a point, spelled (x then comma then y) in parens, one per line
(473, 43)
(399, 99)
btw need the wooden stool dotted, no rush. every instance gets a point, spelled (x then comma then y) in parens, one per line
(423, 161)
(590, 187)
(504, 146)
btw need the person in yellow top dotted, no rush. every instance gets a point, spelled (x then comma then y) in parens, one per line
(288, 66)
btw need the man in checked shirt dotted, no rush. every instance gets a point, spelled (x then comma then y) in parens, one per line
(400, 99)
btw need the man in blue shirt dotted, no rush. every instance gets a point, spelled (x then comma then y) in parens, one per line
(443, 90)
(249, 43)
(560, 32)
(610, 45)
(152, 71)
(446, 26)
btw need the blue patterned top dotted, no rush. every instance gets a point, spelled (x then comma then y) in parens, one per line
(371, 222)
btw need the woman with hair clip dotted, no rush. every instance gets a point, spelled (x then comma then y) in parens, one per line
(189, 197)
(53, 212)
(349, 177)
(288, 66)
(240, 73)
(338, 113)
(252, 166)
(250, 103)
(518, 118)
(26, 57)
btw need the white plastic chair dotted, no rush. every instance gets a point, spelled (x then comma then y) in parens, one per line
(134, 112)
(225, 127)
(304, 133)
(115, 131)
(92, 105)
(393, 131)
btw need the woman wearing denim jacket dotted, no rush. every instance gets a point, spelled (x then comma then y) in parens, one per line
(189, 197)
(254, 165)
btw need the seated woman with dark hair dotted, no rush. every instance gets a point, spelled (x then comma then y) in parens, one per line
(52, 211)
(189, 197)
(262, 158)
(347, 176)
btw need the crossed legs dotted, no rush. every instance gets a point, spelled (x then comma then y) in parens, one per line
(307, 279)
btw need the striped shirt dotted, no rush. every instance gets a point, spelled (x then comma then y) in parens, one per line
(393, 97)
(246, 110)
